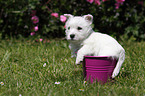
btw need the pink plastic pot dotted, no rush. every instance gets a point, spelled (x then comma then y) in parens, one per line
(98, 68)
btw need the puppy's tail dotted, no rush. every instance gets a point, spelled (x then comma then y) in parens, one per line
(119, 63)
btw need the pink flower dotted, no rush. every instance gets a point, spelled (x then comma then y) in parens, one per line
(64, 26)
(40, 39)
(104, 0)
(32, 33)
(35, 19)
(33, 13)
(90, 1)
(54, 14)
(140, 2)
(117, 5)
(62, 18)
(120, 1)
(97, 2)
(36, 28)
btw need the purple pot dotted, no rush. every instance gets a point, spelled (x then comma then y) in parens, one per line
(98, 68)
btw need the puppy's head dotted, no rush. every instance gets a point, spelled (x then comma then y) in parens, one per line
(78, 28)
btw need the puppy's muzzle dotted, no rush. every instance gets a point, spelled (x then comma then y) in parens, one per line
(72, 36)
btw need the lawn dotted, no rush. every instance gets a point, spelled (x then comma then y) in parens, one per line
(30, 68)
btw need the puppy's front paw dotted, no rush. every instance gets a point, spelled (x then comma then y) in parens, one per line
(78, 62)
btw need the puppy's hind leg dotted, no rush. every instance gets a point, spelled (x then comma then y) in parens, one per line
(119, 64)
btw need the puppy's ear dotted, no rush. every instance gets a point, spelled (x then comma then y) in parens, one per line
(88, 18)
(68, 16)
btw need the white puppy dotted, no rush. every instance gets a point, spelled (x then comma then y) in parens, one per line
(85, 41)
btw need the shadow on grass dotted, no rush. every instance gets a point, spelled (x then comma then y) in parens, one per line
(125, 74)
(76, 74)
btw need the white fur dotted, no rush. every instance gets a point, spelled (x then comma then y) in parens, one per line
(85, 41)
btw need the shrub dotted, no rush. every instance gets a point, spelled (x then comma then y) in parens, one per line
(114, 17)
(15, 17)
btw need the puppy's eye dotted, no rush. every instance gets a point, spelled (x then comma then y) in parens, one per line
(79, 28)
(68, 28)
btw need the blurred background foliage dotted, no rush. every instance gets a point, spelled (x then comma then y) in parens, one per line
(15, 17)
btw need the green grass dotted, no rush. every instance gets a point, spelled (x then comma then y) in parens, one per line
(22, 71)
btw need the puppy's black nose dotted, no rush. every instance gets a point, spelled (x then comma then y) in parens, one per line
(72, 36)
